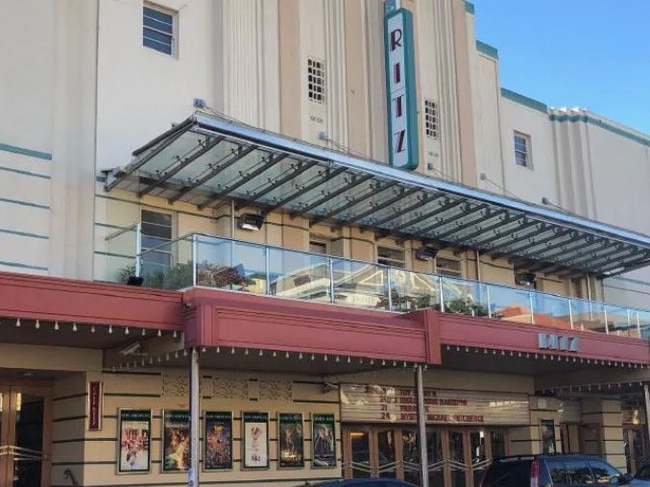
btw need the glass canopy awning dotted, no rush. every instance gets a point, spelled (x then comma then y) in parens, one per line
(207, 160)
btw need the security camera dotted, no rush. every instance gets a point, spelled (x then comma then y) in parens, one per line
(330, 387)
(131, 349)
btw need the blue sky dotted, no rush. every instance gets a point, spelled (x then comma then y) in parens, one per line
(594, 54)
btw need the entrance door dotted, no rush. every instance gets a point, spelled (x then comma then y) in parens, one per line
(635, 448)
(22, 439)
(457, 457)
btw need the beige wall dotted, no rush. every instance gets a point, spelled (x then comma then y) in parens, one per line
(168, 389)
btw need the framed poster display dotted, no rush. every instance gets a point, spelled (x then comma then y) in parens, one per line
(255, 439)
(134, 432)
(323, 441)
(217, 440)
(175, 440)
(547, 434)
(290, 444)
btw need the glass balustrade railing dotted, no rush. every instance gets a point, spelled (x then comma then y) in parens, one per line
(202, 260)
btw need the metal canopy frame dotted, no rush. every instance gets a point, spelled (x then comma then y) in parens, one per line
(207, 160)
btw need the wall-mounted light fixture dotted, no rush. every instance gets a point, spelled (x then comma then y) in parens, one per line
(251, 222)
(426, 253)
(135, 281)
(525, 279)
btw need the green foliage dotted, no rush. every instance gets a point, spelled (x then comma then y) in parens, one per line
(181, 276)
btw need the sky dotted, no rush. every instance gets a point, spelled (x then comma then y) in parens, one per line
(592, 54)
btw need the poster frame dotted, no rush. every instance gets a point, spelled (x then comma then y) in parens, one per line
(122, 425)
(228, 419)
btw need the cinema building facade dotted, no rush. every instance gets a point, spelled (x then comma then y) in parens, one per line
(198, 284)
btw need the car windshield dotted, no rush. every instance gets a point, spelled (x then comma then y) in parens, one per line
(508, 474)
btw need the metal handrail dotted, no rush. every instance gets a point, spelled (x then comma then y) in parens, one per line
(573, 306)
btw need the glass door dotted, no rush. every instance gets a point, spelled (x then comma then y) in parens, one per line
(22, 437)
(634, 448)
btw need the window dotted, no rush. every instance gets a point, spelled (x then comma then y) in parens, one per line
(390, 256)
(448, 267)
(522, 150)
(431, 119)
(316, 80)
(156, 231)
(158, 28)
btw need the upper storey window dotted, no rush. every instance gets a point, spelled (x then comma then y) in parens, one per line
(158, 29)
(522, 150)
(431, 119)
(316, 80)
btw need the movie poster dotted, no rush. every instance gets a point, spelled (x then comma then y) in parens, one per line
(323, 441)
(134, 430)
(176, 440)
(256, 440)
(290, 435)
(217, 440)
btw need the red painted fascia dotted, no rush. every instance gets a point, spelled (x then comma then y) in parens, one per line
(489, 333)
(71, 300)
(225, 318)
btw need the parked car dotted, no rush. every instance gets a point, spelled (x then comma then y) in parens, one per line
(552, 470)
(642, 477)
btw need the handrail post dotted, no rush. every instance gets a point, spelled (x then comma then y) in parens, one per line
(195, 254)
(638, 323)
(389, 281)
(489, 300)
(570, 313)
(267, 258)
(138, 249)
(331, 271)
(442, 298)
(606, 321)
(532, 311)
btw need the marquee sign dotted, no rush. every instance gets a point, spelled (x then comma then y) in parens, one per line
(400, 87)
(385, 404)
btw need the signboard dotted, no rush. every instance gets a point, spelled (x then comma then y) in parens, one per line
(400, 87)
(385, 404)
(553, 341)
(95, 405)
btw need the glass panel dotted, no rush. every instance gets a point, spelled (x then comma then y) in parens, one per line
(386, 454)
(644, 323)
(457, 459)
(121, 248)
(588, 315)
(360, 284)
(411, 456)
(464, 297)
(435, 458)
(299, 275)
(168, 266)
(620, 323)
(231, 265)
(479, 458)
(413, 290)
(509, 304)
(498, 443)
(549, 310)
(28, 455)
(360, 454)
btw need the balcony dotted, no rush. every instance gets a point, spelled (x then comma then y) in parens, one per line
(223, 263)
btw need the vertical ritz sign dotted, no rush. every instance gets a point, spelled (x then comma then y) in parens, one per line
(400, 89)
